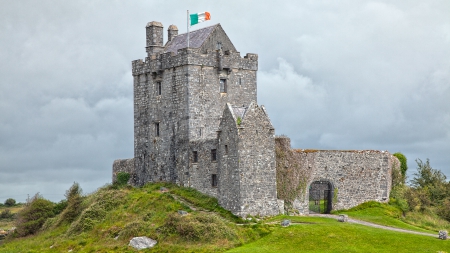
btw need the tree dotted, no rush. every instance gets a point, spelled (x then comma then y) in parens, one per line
(10, 202)
(428, 179)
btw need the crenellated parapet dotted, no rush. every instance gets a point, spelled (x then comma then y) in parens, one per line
(159, 62)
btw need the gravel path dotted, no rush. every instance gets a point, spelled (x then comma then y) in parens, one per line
(365, 223)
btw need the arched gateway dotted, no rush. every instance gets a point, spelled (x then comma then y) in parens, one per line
(320, 197)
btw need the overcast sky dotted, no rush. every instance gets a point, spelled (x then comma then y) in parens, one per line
(332, 75)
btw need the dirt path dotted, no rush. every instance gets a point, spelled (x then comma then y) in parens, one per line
(365, 223)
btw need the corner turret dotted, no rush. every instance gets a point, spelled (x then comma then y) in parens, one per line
(172, 31)
(154, 37)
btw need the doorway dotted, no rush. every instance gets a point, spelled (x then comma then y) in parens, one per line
(320, 197)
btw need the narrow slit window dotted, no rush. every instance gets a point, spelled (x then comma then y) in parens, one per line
(195, 156)
(158, 84)
(213, 155)
(214, 180)
(226, 149)
(223, 85)
(157, 129)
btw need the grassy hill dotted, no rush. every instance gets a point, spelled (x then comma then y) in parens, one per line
(106, 220)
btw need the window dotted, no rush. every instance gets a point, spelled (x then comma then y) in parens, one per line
(240, 81)
(226, 149)
(157, 129)
(195, 156)
(214, 180)
(158, 84)
(223, 85)
(213, 155)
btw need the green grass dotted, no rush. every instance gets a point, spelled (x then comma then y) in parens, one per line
(112, 216)
(329, 235)
(128, 212)
(387, 215)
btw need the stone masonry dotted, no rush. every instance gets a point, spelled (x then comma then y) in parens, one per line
(197, 124)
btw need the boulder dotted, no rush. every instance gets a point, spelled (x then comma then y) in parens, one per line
(142, 242)
(343, 218)
(443, 234)
(286, 223)
(182, 212)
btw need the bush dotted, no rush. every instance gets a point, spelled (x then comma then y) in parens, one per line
(10, 202)
(73, 204)
(122, 178)
(33, 215)
(403, 163)
(198, 227)
(6, 214)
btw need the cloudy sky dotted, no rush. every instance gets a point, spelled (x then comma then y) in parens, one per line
(332, 75)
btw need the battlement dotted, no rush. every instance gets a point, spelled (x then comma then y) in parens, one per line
(190, 56)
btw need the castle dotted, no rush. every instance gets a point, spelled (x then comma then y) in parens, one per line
(197, 124)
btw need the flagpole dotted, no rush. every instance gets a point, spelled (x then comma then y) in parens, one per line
(187, 28)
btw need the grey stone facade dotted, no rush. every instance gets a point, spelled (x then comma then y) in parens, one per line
(180, 95)
(197, 124)
(356, 176)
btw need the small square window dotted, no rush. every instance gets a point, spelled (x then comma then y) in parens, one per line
(223, 85)
(195, 156)
(157, 129)
(226, 149)
(214, 180)
(213, 155)
(158, 84)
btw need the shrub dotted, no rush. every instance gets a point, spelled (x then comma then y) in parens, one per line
(60, 206)
(10, 202)
(122, 178)
(33, 215)
(403, 163)
(73, 206)
(6, 214)
(198, 227)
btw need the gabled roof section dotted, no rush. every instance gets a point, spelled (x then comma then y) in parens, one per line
(196, 39)
(199, 38)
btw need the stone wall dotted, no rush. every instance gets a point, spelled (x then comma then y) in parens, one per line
(124, 165)
(356, 176)
(247, 175)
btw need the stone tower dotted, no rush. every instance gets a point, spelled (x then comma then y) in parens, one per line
(180, 95)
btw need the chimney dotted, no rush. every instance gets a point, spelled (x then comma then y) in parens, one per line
(154, 37)
(172, 32)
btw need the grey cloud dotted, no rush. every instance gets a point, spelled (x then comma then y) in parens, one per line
(333, 75)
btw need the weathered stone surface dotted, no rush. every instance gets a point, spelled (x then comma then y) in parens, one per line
(443, 234)
(197, 124)
(285, 223)
(356, 176)
(343, 218)
(179, 99)
(182, 212)
(142, 242)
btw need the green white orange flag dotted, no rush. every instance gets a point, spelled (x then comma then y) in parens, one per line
(199, 17)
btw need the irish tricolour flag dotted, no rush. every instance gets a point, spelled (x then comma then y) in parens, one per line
(199, 17)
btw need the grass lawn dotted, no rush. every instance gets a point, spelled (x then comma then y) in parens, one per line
(384, 214)
(329, 235)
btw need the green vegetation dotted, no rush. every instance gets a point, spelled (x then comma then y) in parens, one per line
(107, 219)
(122, 178)
(403, 163)
(33, 215)
(10, 202)
(238, 121)
(328, 235)
(110, 217)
